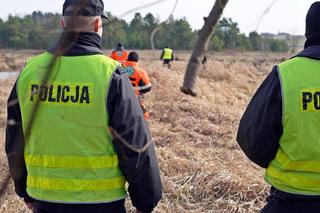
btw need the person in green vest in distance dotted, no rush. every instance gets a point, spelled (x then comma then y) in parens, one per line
(167, 57)
(77, 133)
(279, 130)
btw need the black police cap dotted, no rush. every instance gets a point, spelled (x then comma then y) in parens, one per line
(84, 8)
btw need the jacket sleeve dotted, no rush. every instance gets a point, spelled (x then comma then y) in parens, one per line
(15, 146)
(139, 167)
(260, 127)
(144, 84)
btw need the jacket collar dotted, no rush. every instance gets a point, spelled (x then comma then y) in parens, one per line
(312, 52)
(119, 49)
(312, 40)
(131, 63)
(77, 44)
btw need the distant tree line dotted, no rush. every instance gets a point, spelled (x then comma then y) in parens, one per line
(40, 30)
(227, 36)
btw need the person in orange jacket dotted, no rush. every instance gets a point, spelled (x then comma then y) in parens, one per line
(138, 78)
(119, 54)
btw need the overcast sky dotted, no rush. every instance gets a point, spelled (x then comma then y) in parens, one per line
(284, 16)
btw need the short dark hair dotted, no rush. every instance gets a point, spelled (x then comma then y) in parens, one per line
(133, 56)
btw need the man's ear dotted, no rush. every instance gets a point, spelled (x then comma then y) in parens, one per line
(62, 23)
(97, 24)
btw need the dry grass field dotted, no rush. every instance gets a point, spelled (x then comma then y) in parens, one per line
(202, 167)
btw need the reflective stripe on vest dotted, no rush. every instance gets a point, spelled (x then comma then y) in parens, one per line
(167, 54)
(72, 162)
(64, 184)
(69, 153)
(296, 167)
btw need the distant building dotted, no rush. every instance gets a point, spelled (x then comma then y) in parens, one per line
(295, 42)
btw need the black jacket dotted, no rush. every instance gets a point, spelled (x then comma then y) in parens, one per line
(125, 117)
(261, 127)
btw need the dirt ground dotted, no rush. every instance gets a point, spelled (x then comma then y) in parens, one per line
(202, 167)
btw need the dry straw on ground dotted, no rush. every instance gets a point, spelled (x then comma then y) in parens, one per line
(202, 167)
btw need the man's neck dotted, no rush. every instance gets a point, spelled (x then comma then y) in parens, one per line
(83, 43)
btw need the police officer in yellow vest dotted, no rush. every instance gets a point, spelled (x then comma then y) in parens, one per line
(167, 57)
(279, 130)
(88, 135)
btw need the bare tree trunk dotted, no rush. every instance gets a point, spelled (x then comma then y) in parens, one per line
(201, 45)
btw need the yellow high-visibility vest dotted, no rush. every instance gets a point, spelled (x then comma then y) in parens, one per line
(296, 167)
(167, 53)
(69, 153)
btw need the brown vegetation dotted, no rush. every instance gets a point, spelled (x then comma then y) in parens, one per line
(202, 167)
(14, 60)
